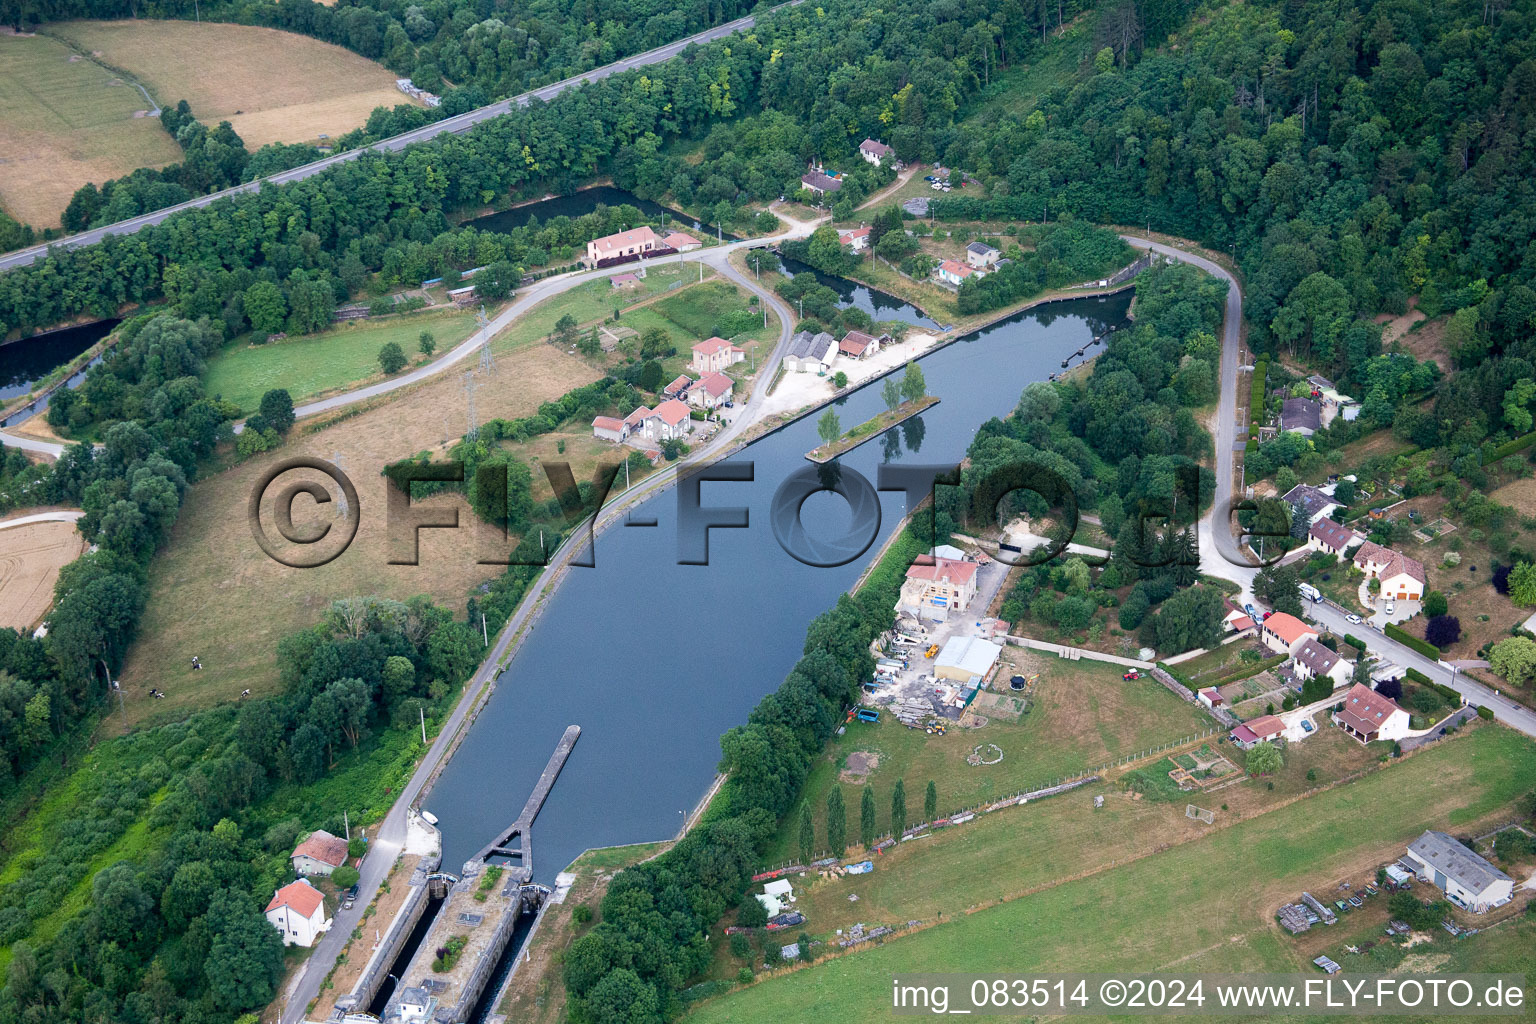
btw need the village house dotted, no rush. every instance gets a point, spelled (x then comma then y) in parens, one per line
(946, 584)
(953, 273)
(712, 391)
(1367, 716)
(855, 238)
(1331, 537)
(609, 428)
(1237, 621)
(1306, 500)
(980, 255)
(1264, 729)
(1284, 633)
(1466, 877)
(1313, 659)
(320, 854)
(1402, 578)
(681, 242)
(667, 422)
(678, 387)
(634, 423)
(875, 152)
(415, 1005)
(625, 243)
(714, 354)
(1301, 416)
(857, 344)
(1211, 697)
(297, 911)
(820, 183)
(811, 353)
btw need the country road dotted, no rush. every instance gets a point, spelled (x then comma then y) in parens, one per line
(458, 124)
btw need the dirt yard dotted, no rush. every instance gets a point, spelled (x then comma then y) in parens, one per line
(215, 595)
(272, 86)
(30, 559)
(65, 121)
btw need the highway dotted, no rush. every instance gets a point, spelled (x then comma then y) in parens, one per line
(458, 124)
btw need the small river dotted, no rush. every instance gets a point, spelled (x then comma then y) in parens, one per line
(654, 660)
(577, 204)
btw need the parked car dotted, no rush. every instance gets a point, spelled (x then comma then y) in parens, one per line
(1391, 607)
(1354, 619)
(348, 897)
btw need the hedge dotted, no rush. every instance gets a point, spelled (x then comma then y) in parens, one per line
(1520, 443)
(1355, 642)
(1267, 663)
(1402, 636)
(1418, 677)
(1256, 392)
(1485, 712)
(1423, 680)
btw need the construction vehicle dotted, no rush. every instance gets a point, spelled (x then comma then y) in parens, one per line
(1132, 674)
(935, 729)
(932, 652)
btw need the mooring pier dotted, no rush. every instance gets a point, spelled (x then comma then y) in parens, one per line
(479, 913)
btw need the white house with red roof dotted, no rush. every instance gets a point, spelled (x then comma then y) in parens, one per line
(625, 243)
(1330, 537)
(1211, 697)
(1402, 578)
(715, 354)
(855, 238)
(711, 391)
(1284, 633)
(1367, 715)
(941, 585)
(668, 421)
(951, 272)
(1265, 728)
(681, 242)
(609, 428)
(320, 854)
(858, 345)
(1237, 620)
(297, 911)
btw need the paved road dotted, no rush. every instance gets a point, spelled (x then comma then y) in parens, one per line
(389, 838)
(458, 124)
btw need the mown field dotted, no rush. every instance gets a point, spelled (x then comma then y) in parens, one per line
(272, 86)
(65, 121)
(343, 357)
(30, 559)
(1205, 905)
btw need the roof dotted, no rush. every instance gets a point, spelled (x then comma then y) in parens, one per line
(1211, 694)
(1365, 710)
(622, 279)
(1445, 854)
(676, 239)
(959, 270)
(1317, 657)
(981, 249)
(877, 148)
(1395, 564)
(806, 345)
(1288, 627)
(607, 423)
(854, 343)
(638, 417)
(1335, 535)
(1309, 498)
(681, 383)
(971, 655)
(848, 236)
(778, 887)
(717, 384)
(1320, 382)
(944, 569)
(1266, 726)
(323, 847)
(671, 412)
(1243, 734)
(1301, 414)
(820, 182)
(1240, 622)
(625, 239)
(709, 346)
(299, 896)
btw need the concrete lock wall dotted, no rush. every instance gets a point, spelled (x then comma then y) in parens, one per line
(399, 930)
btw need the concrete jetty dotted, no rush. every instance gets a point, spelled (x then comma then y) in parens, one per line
(516, 843)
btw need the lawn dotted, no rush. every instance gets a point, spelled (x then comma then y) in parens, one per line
(1084, 714)
(344, 357)
(66, 121)
(272, 86)
(1204, 905)
(593, 302)
(689, 316)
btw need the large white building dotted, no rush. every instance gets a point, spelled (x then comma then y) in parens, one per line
(937, 588)
(1468, 879)
(297, 911)
(1368, 716)
(965, 658)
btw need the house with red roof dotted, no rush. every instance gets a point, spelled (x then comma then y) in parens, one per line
(1211, 697)
(625, 243)
(858, 345)
(678, 386)
(320, 854)
(855, 238)
(668, 421)
(951, 272)
(938, 586)
(1331, 538)
(1237, 620)
(297, 911)
(1402, 578)
(713, 355)
(875, 152)
(681, 242)
(609, 428)
(711, 391)
(1284, 633)
(1367, 715)
(1264, 729)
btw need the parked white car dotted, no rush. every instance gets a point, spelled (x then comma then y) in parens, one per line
(1355, 619)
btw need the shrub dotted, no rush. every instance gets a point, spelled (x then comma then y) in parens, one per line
(1485, 713)
(391, 358)
(344, 877)
(1443, 630)
(1402, 636)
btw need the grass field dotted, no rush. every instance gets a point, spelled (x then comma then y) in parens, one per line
(272, 86)
(30, 559)
(343, 357)
(65, 121)
(1084, 714)
(1204, 905)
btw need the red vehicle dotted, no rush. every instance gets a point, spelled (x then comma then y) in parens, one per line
(1266, 616)
(1132, 674)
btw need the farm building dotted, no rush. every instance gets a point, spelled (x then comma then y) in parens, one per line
(1367, 715)
(297, 911)
(811, 353)
(1469, 880)
(320, 854)
(965, 658)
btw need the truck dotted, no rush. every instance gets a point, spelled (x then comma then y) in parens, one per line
(1310, 592)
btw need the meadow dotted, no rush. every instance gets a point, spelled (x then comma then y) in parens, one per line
(66, 121)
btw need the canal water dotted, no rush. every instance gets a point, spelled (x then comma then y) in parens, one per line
(23, 363)
(577, 204)
(878, 304)
(655, 660)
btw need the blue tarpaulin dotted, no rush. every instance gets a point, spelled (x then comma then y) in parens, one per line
(861, 868)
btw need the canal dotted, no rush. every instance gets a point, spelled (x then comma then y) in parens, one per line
(579, 203)
(878, 304)
(654, 660)
(25, 362)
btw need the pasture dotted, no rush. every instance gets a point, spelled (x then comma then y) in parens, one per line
(65, 121)
(272, 86)
(1205, 905)
(31, 556)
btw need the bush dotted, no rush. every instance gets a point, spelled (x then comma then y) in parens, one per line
(391, 358)
(1435, 604)
(1402, 636)
(344, 877)
(581, 913)
(1443, 630)
(1485, 713)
